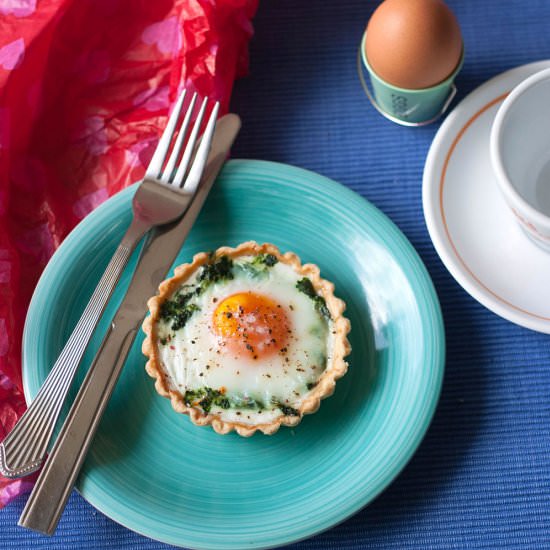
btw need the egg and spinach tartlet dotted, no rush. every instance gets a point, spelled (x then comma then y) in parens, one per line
(246, 339)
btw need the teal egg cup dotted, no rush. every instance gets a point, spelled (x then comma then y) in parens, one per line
(404, 106)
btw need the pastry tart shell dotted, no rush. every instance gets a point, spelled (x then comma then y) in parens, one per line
(326, 382)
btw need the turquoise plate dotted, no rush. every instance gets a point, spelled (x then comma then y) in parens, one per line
(153, 471)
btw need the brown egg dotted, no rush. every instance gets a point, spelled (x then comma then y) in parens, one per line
(413, 44)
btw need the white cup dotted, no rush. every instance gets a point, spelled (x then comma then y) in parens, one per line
(520, 154)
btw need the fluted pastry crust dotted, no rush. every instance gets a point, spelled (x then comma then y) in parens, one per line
(326, 382)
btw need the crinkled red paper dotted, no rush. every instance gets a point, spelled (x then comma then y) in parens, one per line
(85, 87)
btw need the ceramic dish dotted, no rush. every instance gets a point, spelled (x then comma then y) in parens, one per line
(158, 474)
(472, 229)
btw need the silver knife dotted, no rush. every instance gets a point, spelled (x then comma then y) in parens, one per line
(54, 485)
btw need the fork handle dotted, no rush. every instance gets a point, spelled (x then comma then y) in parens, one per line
(44, 507)
(24, 449)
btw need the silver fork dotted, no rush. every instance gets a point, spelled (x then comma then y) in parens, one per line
(158, 200)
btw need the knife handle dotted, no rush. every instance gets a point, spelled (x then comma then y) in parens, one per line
(54, 485)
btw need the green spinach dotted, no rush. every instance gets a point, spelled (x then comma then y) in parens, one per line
(306, 286)
(258, 267)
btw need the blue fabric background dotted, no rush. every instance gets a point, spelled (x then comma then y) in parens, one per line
(481, 477)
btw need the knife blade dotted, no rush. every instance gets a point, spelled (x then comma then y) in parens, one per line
(53, 487)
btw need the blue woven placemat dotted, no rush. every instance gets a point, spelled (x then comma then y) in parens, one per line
(481, 477)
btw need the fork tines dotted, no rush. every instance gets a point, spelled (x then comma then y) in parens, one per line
(175, 171)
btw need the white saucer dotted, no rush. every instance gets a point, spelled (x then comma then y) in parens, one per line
(471, 227)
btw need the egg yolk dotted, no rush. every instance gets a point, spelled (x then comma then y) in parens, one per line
(252, 325)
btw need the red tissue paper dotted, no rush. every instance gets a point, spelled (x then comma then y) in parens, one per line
(85, 89)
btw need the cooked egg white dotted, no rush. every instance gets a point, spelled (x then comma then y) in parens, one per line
(256, 339)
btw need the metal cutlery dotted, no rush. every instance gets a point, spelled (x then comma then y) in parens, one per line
(52, 489)
(157, 201)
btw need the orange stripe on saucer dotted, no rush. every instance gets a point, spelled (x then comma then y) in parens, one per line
(442, 184)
